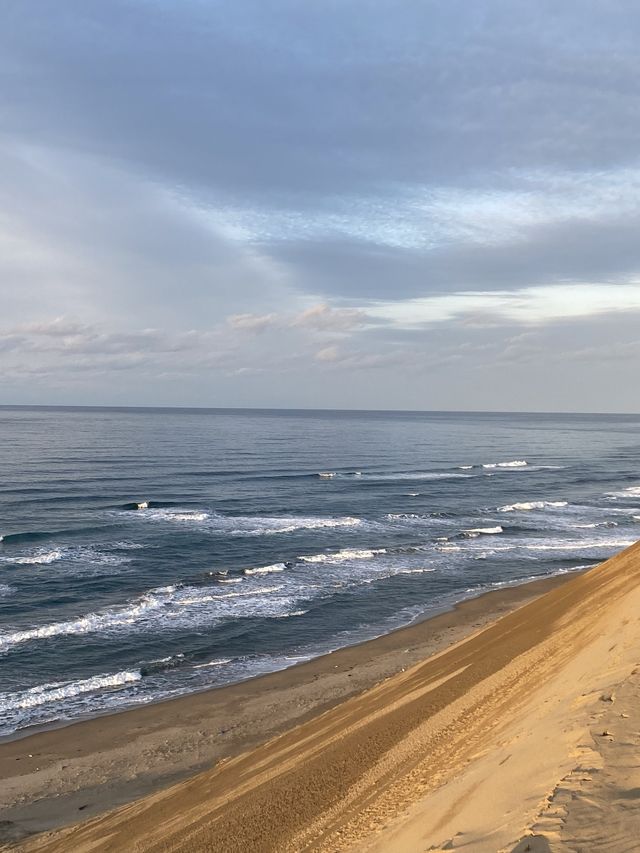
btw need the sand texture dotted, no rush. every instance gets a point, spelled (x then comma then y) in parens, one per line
(504, 740)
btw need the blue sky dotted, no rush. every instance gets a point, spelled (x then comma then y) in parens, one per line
(353, 203)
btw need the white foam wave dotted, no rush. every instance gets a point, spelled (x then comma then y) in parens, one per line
(415, 571)
(80, 555)
(219, 662)
(248, 525)
(58, 691)
(327, 475)
(516, 463)
(418, 475)
(289, 526)
(40, 558)
(162, 609)
(183, 516)
(5, 590)
(344, 555)
(629, 492)
(293, 613)
(579, 545)
(265, 570)
(485, 530)
(408, 516)
(391, 476)
(525, 506)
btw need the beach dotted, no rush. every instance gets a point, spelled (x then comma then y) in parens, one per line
(472, 730)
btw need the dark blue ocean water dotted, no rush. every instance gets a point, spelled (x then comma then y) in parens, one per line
(147, 553)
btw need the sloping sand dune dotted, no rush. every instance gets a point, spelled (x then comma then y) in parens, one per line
(467, 750)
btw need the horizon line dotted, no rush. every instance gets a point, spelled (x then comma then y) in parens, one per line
(168, 408)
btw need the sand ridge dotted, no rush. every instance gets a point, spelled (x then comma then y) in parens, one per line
(459, 751)
(58, 776)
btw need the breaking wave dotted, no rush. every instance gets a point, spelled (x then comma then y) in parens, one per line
(160, 609)
(390, 476)
(246, 525)
(525, 506)
(517, 463)
(265, 570)
(57, 691)
(629, 492)
(345, 555)
(478, 531)
(83, 555)
(40, 558)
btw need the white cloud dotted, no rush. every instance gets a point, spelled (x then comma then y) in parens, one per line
(252, 322)
(324, 318)
(530, 305)
(328, 354)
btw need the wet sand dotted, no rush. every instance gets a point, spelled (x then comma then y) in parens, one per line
(63, 775)
(478, 741)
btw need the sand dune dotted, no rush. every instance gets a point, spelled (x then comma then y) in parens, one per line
(474, 748)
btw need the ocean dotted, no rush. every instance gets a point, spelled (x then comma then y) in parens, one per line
(148, 553)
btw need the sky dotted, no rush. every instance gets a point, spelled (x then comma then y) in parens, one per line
(379, 204)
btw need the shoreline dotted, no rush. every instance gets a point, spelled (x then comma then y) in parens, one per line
(505, 740)
(425, 616)
(84, 767)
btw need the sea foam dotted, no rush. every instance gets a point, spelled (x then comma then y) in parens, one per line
(344, 555)
(163, 609)
(516, 463)
(526, 506)
(57, 691)
(476, 531)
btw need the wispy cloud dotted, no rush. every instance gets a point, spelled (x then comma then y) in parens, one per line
(527, 306)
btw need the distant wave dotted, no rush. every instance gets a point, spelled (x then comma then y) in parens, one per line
(265, 570)
(579, 545)
(525, 506)
(160, 514)
(412, 517)
(162, 664)
(629, 492)
(516, 463)
(6, 590)
(144, 504)
(218, 661)
(33, 536)
(83, 555)
(246, 525)
(39, 558)
(344, 555)
(393, 475)
(477, 531)
(416, 571)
